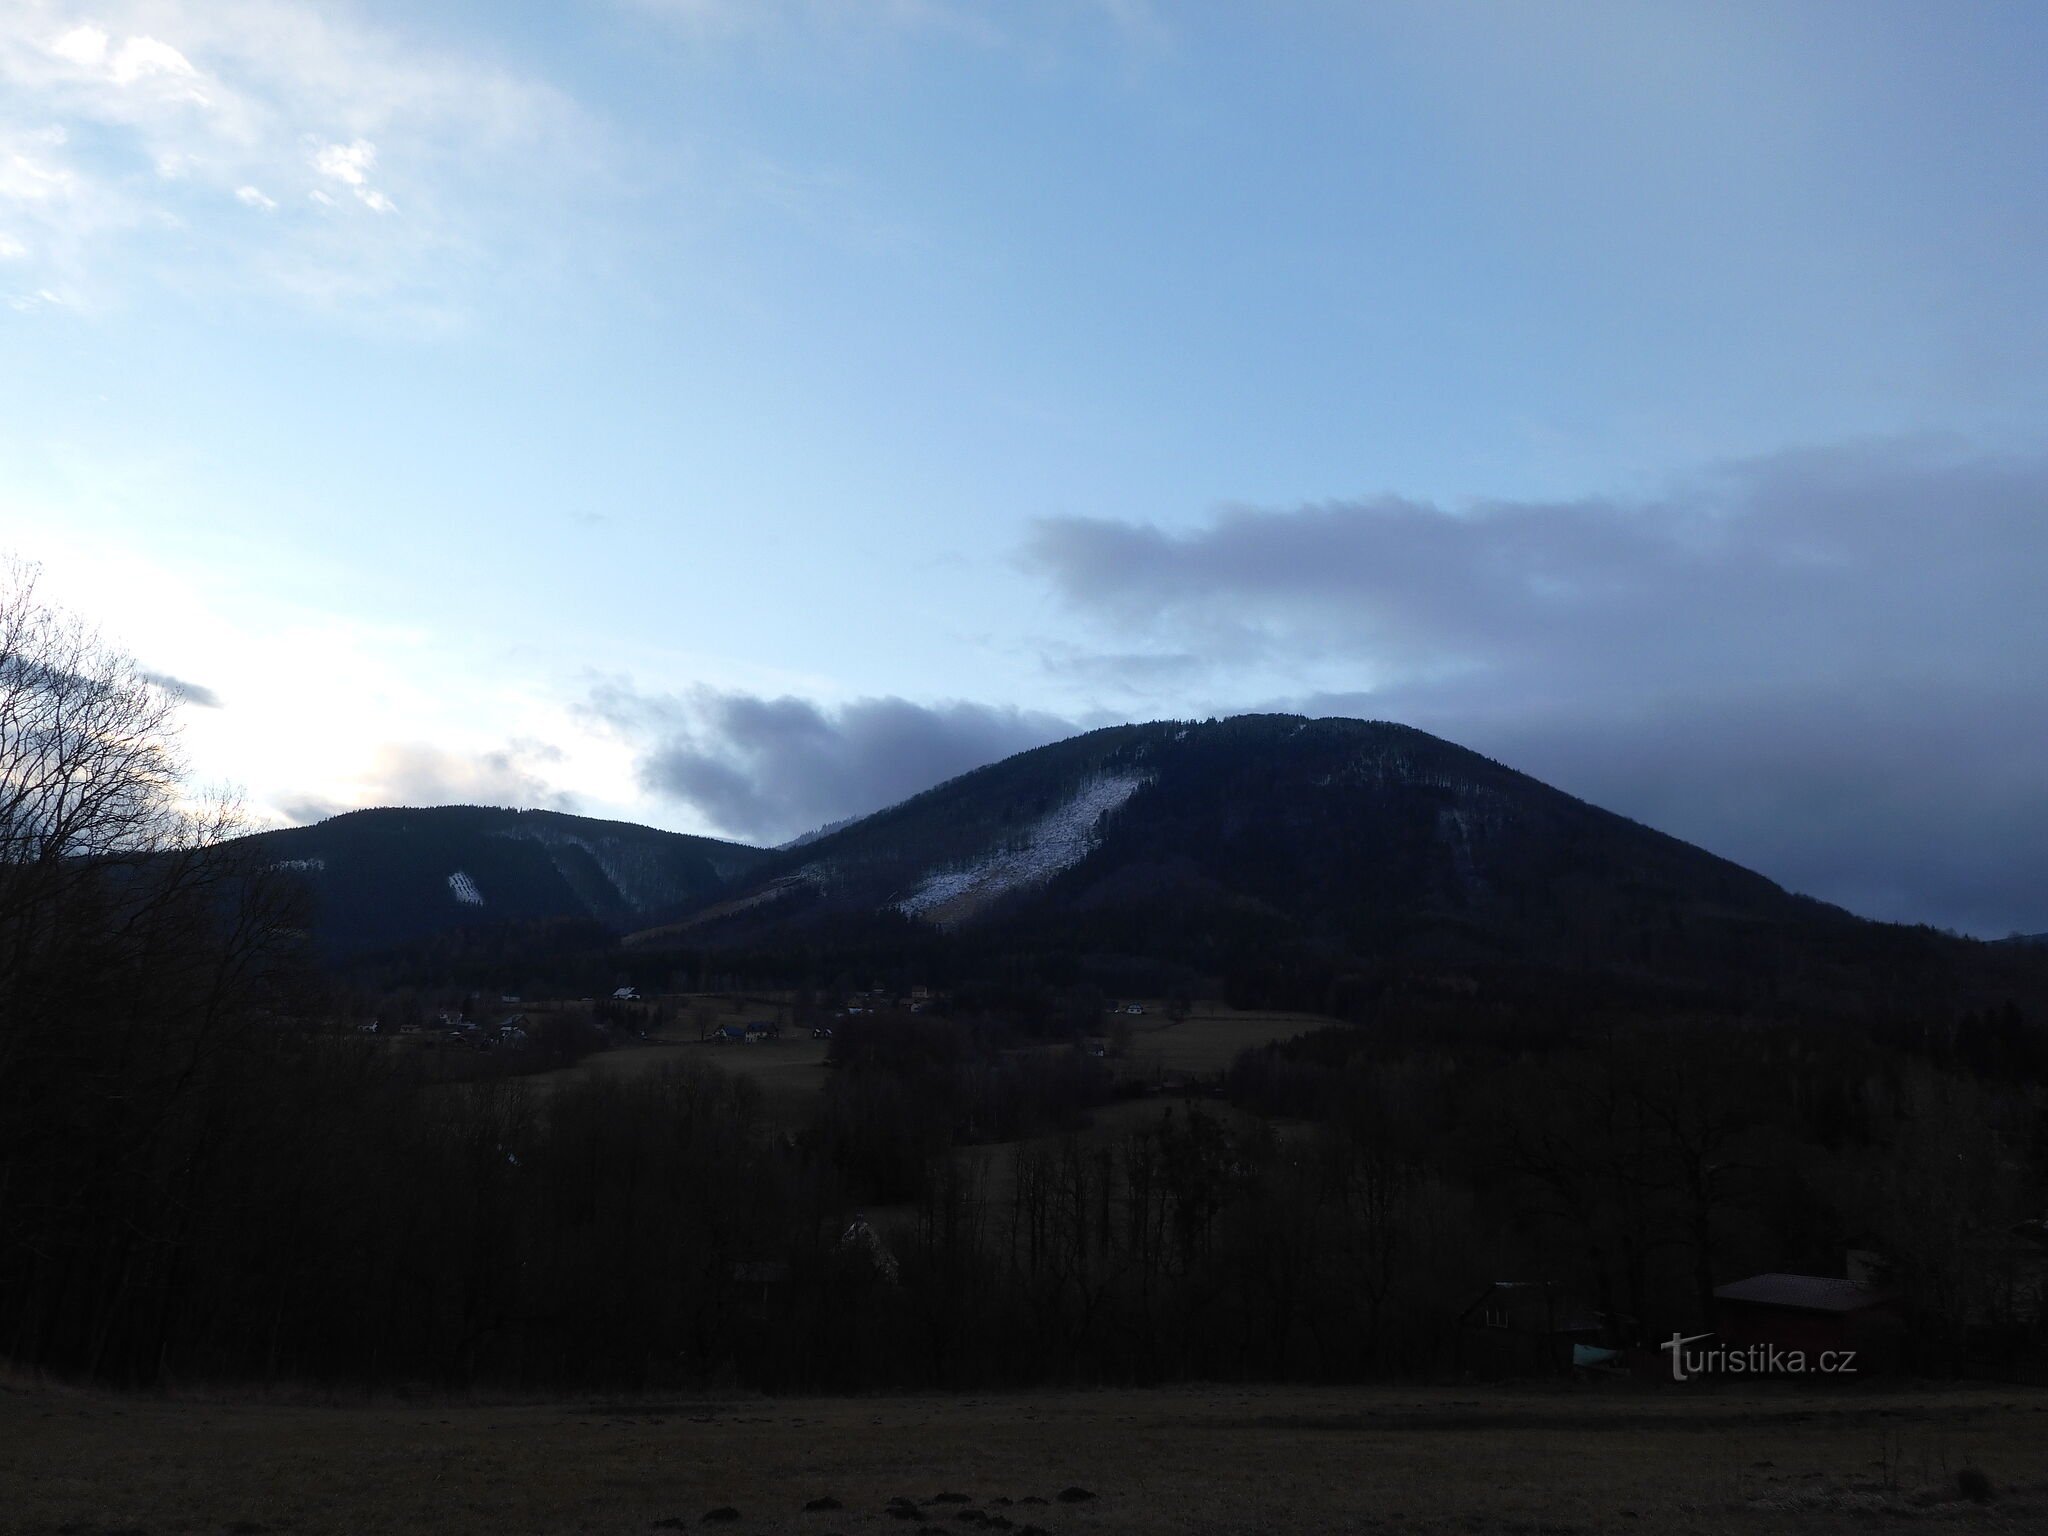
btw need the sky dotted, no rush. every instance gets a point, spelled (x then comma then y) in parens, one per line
(736, 415)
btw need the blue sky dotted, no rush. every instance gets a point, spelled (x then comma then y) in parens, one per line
(614, 404)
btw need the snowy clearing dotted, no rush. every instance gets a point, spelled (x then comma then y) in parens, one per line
(464, 889)
(1058, 840)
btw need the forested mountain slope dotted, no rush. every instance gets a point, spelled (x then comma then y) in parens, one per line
(393, 876)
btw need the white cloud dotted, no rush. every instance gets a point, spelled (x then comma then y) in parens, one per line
(1023, 29)
(125, 126)
(420, 773)
(143, 56)
(348, 163)
(85, 45)
(351, 164)
(28, 174)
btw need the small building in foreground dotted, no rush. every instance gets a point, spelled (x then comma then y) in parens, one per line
(1812, 1316)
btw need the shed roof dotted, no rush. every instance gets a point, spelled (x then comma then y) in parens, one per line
(1806, 1293)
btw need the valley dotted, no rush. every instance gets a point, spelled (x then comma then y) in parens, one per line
(1263, 1047)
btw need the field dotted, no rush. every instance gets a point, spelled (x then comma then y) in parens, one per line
(1185, 1460)
(791, 1071)
(1207, 1040)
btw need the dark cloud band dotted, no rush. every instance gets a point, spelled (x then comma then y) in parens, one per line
(1832, 666)
(188, 693)
(772, 768)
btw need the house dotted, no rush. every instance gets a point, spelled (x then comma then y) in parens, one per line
(763, 1030)
(1528, 1328)
(626, 995)
(730, 1034)
(1812, 1315)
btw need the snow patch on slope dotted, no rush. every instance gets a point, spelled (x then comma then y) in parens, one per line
(1058, 840)
(312, 865)
(464, 889)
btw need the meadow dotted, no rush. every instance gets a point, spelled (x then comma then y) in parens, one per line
(1207, 1040)
(791, 1071)
(1187, 1460)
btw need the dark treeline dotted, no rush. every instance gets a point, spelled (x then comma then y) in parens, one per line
(303, 1207)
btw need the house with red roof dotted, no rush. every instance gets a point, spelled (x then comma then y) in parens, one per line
(1813, 1315)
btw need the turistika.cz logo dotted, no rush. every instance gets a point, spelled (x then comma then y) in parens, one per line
(1752, 1359)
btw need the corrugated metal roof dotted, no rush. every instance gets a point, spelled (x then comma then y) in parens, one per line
(1808, 1293)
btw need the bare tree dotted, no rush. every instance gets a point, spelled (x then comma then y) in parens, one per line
(89, 759)
(137, 946)
(92, 794)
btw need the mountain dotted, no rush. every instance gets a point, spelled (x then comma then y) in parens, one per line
(385, 877)
(1276, 841)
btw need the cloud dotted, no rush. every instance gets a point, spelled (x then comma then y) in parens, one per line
(188, 693)
(771, 768)
(348, 163)
(1830, 665)
(128, 131)
(304, 810)
(1137, 22)
(724, 20)
(419, 774)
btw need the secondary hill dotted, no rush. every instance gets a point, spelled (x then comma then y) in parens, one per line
(380, 878)
(1275, 841)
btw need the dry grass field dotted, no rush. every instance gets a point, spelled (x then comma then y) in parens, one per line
(1207, 1040)
(791, 1071)
(1182, 1460)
